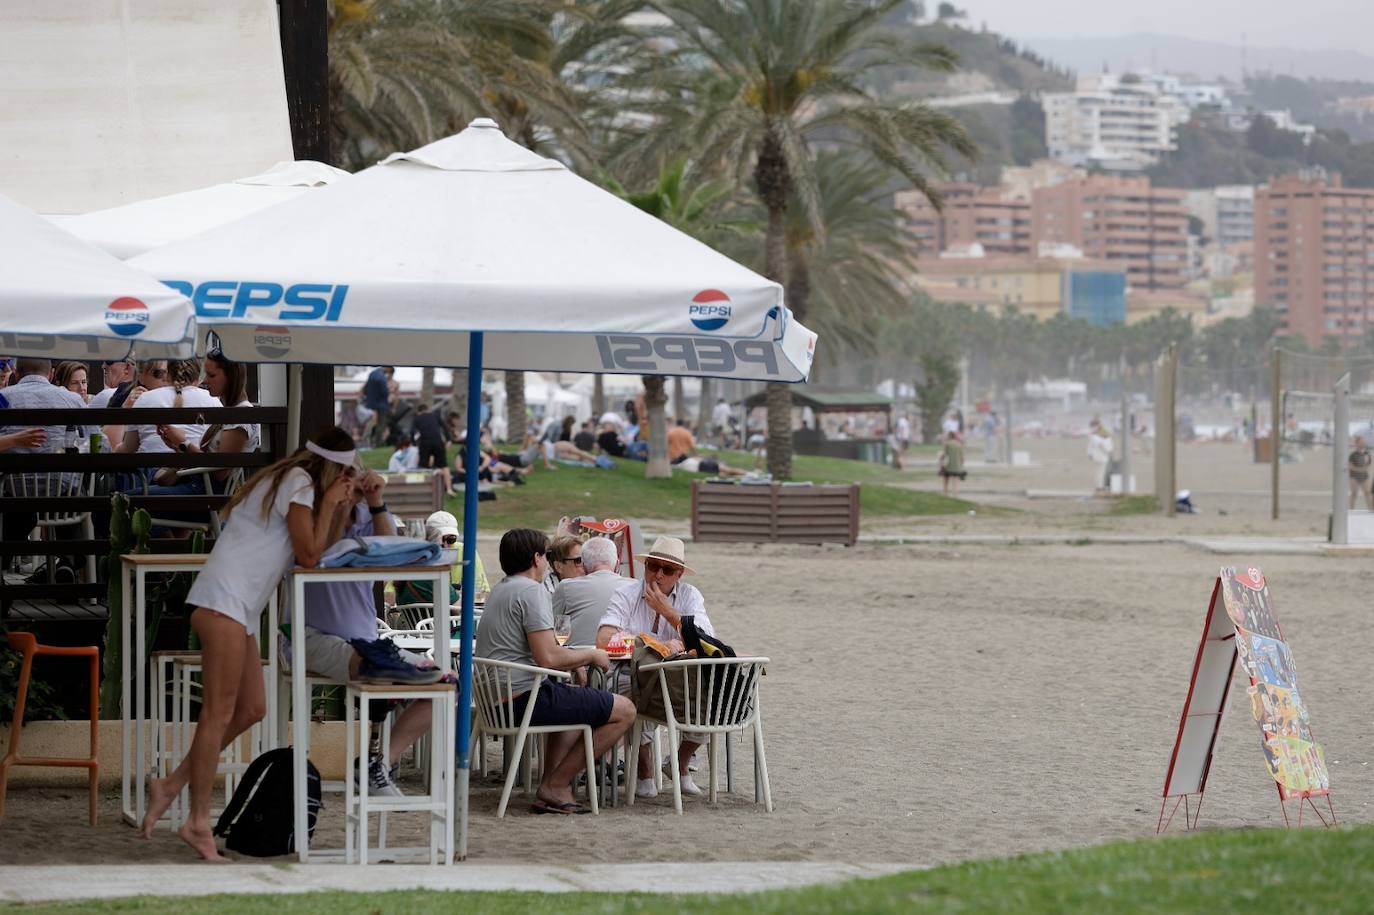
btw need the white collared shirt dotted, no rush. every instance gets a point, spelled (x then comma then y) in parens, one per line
(628, 610)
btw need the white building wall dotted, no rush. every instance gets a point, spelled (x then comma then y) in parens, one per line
(110, 101)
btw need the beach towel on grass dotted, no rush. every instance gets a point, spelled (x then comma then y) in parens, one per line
(381, 551)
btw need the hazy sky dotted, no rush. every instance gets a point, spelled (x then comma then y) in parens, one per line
(1311, 24)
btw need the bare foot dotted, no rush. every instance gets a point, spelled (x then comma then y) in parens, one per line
(203, 841)
(554, 798)
(160, 797)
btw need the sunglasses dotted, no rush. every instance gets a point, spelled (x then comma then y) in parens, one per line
(449, 539)
(662, 567)
(575, 560)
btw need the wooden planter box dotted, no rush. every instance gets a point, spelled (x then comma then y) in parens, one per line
(775, 512)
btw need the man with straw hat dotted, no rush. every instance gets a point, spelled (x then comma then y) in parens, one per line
(656, 605)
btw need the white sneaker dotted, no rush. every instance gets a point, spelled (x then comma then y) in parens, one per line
(646, 788)
(688, 786)
(381, 781)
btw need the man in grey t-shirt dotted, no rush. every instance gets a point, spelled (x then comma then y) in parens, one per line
(583, 599)
(517, 626)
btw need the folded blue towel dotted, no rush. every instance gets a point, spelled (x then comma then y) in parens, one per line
(381, 551)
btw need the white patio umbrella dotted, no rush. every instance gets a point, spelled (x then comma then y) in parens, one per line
(474, 251)
(134, 228)
(61, 298)
(475, 232)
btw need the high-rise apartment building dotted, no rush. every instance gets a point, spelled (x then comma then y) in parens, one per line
(1117, 122)
(1119, 219)
(1314, 256)
(971, 214)
(1227, 213)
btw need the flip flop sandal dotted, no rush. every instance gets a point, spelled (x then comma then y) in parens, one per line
(561, 809)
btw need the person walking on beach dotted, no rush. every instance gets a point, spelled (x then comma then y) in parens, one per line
(1100, 453)
(952, 471)
(1359, 473)
(288, 514)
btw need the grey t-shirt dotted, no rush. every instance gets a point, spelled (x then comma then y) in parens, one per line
(584, 600)
(516, 606)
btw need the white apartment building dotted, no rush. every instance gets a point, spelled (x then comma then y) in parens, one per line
(1117, 122)
(1227, 213)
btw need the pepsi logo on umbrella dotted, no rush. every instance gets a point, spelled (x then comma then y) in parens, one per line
(710, 309)
(272, 342)
(126, 316)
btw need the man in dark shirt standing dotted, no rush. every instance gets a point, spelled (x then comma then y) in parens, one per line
(431, 437)
(377, 398)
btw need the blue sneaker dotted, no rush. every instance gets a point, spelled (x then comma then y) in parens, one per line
(382, 663)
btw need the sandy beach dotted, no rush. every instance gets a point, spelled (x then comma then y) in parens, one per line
(926, 704)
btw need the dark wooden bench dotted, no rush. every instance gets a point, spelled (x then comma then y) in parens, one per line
(775, 512)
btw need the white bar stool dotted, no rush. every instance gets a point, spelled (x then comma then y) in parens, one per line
(438, 802)
(184, 692)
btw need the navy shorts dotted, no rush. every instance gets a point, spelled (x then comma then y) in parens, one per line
(559, 703)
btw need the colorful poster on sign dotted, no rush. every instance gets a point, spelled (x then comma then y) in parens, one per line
(1297, 765)
(1247, 603)
(1279, 712)
(1266, 660)
(1296, 761)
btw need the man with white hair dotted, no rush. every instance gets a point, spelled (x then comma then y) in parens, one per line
(584, 599)
(657, 606)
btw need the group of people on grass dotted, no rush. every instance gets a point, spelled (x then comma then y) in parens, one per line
(589, 443)
(292, 511)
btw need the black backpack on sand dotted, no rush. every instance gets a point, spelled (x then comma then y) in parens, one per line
(259, 820)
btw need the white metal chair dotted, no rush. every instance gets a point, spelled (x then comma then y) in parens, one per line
(493, 689)
(722, 696)
(409, 616)
(211, 526)
(420, 616)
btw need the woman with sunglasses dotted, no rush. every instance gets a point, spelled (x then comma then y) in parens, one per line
(442, 528)
(565, 560)
(288, 514)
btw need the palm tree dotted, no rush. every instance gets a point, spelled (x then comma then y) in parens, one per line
(407, 72)
(760, 82)
(573, 46)
(699, 209)
(847, 270)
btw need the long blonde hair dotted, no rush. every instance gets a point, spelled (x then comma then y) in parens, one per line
(322, 472)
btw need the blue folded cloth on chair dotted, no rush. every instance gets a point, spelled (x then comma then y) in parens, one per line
(381, 551)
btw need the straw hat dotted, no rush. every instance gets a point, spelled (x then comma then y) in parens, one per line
(670, 550)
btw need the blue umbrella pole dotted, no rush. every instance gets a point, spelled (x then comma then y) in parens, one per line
(470, 461)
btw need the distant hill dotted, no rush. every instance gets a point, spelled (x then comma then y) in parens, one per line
(988, 62)
(1315, 101)
(1205, 59)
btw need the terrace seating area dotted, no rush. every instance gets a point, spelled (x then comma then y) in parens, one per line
(69, 493)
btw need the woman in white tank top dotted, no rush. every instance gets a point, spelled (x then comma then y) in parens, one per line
(286, 515)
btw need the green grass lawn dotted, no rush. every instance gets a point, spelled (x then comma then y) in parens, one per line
(625, 493)
(1244, 871)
